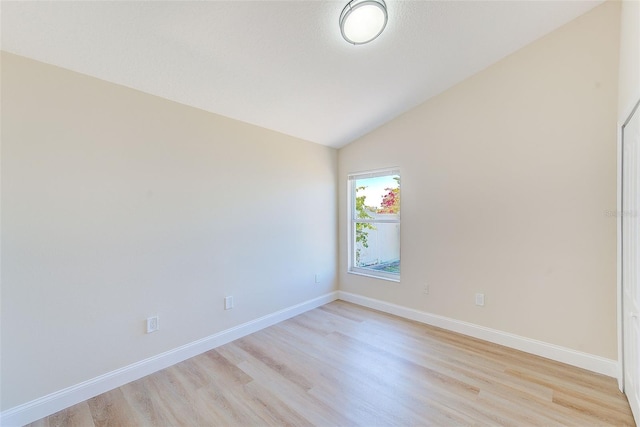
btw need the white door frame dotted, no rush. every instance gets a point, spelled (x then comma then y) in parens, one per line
(619, 295)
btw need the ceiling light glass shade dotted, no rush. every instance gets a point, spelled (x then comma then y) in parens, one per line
(363, 20)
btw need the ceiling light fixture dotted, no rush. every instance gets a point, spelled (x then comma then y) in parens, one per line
(363, 20)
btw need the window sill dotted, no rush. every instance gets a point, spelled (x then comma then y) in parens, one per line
(373, 276)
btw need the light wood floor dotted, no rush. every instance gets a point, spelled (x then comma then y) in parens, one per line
(345, 365)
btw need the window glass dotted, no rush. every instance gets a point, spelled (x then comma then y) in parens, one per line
(375, 224)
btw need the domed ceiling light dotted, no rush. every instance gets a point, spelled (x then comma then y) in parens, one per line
(363, 20)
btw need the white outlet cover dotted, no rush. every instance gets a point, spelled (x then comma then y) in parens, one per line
(228, 303)
(480, 299)
(153, 324)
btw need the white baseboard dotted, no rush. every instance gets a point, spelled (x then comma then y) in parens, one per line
(52, 403)
(587, 361)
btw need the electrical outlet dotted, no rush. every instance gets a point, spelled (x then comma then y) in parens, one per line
(425, 290)
(317, 278)
(480, 299)
(228, 303)
(153, 324)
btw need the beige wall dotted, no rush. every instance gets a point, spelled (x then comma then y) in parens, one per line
(505, 182)
(629, 87)
(119, 205)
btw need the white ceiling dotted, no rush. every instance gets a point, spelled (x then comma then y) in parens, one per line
(281, 65)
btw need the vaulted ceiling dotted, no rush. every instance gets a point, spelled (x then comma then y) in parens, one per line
(282, 65)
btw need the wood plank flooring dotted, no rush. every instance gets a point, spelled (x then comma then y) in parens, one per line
(345, 365)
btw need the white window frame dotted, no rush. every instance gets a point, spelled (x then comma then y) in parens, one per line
(351, 240)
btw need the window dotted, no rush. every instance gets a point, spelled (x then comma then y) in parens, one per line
(374, 242)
